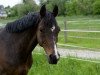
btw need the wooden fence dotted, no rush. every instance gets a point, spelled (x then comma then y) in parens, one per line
(82, 31)
(66, 31)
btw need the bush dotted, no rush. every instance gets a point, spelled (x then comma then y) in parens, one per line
(13, 12)
(24, 8)
(96, 7)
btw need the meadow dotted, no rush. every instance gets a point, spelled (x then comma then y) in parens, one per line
(66, 66)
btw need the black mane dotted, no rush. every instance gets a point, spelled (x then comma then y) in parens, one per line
(22, 24)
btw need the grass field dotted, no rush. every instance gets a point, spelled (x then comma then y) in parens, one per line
(66, 66)
(84, 42)
(4, 21)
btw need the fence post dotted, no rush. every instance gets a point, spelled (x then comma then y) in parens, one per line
(65, 28)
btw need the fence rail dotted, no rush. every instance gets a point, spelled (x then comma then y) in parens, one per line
(67, 45)
(83, 37)
(81, 31)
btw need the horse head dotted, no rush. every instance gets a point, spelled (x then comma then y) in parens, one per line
(47, 33)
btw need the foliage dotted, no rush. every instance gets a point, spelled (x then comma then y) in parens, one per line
(24, 8)
(79, 7)
(50, 4)
(96, 7)
(85, 6)
(7, 9)
(74, 7)
(14, 11)
(66, 7)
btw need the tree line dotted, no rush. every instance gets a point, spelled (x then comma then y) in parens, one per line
(66, 7)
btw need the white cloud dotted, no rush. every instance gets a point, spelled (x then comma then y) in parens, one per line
(12, 2)
(37, 2)
(9, 2)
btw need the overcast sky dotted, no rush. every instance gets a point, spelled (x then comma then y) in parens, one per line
(12, 2)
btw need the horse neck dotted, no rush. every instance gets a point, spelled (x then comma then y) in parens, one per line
(32, 39)
(27, 39)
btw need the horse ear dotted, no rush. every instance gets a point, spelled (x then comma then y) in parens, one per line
(55, 11)
(43, 11)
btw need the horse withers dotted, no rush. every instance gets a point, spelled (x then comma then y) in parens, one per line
(19, 38)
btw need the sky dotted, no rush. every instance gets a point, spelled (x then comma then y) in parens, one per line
(12, 2)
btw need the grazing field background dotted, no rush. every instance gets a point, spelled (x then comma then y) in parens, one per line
(87, 40)
(66, 66)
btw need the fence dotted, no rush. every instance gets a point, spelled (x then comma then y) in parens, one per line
(82, 31)
(66, 31)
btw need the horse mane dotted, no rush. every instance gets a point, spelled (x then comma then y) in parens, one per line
(22, 24)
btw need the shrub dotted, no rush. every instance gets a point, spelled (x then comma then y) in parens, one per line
(96, 7)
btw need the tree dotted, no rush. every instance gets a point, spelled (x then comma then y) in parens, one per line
(51, 3)
(80, 7)
(8, 10)
(32, 4)
(96, 7)
(24, 8)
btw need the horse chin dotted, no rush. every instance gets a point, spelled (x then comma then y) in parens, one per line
(53, 59)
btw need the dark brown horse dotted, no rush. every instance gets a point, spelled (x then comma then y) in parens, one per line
(19, 38)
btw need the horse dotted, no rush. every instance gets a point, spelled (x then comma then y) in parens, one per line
(19, 38)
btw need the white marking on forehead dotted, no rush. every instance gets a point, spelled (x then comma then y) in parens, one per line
(52, 28)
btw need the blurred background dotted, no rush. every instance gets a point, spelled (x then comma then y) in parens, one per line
(66, 7)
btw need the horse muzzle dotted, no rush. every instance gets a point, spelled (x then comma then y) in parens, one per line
(53, 59)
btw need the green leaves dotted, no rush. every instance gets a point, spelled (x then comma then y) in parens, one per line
(96, 7)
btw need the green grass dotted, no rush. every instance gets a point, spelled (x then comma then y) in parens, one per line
(85, 42)
(4, 21)
(66, 66)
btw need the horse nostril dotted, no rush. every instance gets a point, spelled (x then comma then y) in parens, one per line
(53, 59)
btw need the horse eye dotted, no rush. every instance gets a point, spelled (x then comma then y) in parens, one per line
(44, 42)
(41, 30)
